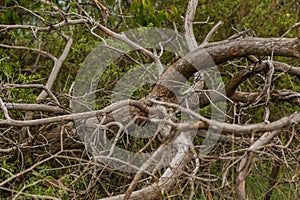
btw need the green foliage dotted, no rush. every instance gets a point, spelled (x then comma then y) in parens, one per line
(9, 166)
(266, 18)
(145, 14)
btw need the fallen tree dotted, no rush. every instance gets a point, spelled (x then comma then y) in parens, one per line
(186, 147)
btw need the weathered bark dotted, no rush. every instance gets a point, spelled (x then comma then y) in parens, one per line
(219, 52)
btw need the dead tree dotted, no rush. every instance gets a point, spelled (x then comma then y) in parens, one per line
(243, 141)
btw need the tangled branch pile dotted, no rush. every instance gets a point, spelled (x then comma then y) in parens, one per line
(224, 115)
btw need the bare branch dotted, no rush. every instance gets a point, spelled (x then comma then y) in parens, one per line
(44, 53)
(220, 52)
(5, 86)
(188, 24)
(56, 68)
(71, 117)
(277, 95)
(232, 128)
(211, 33)
(43, 29)
(3, 107)
(291, 28)
(36, 107)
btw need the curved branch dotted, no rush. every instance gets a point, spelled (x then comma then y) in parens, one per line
(44, 53)
(218, 52)
(227, 127)
(56, 68)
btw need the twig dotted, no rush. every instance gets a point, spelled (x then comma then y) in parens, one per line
(291, 28)
(32, 86)
(29, 169)
(44, 53)
(43, 29)
(211, 33)
(3, 107)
